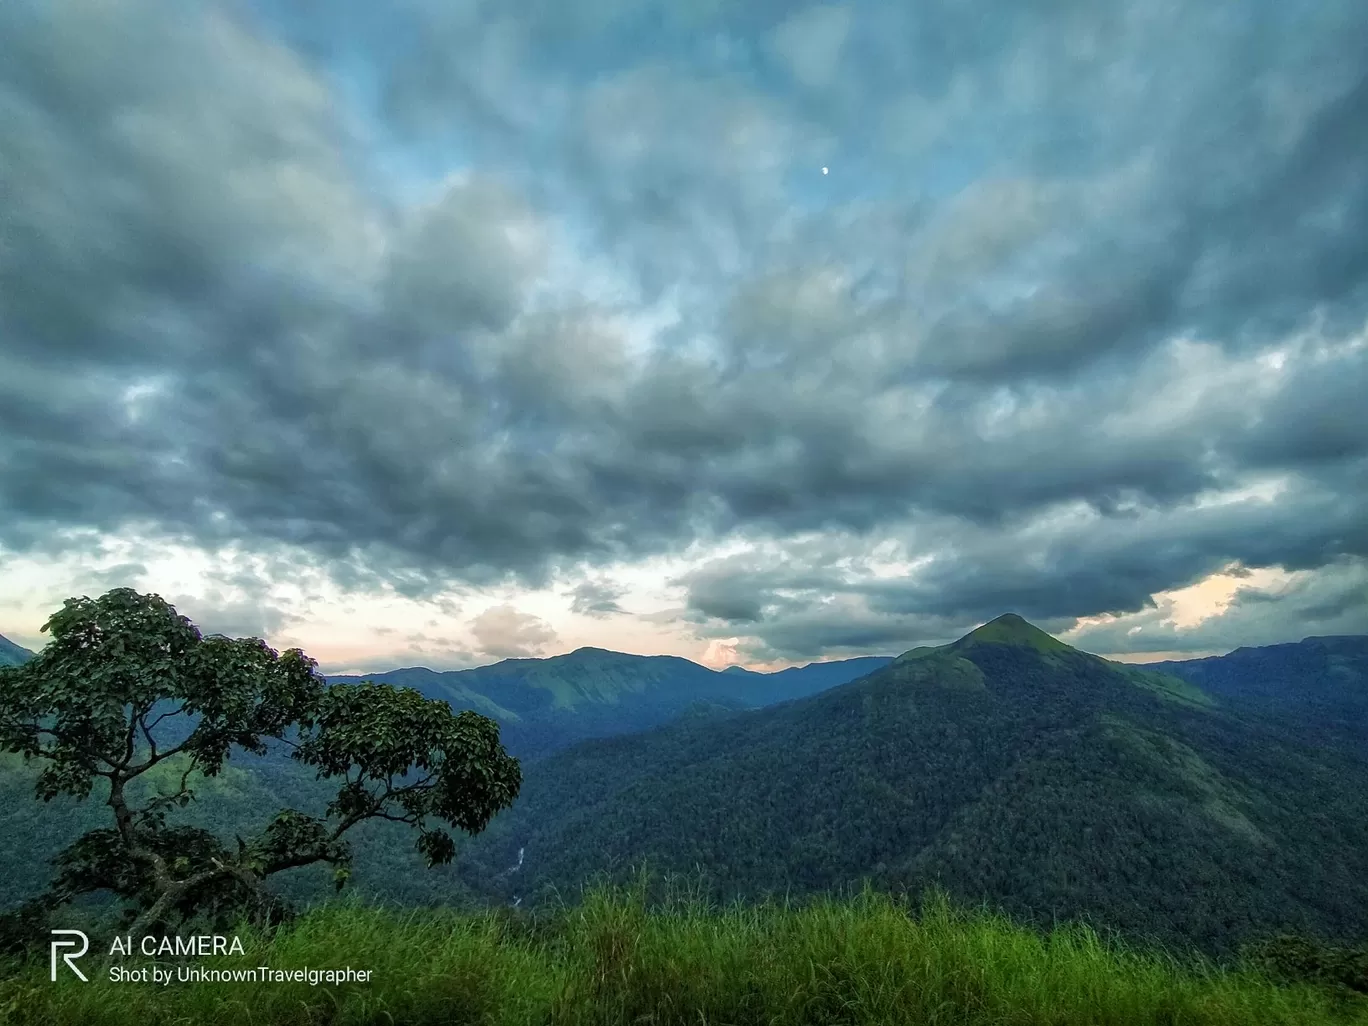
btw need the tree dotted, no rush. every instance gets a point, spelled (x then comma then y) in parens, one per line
(128, 684)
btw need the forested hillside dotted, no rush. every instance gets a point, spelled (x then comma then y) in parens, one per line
(544, 705)
(1317, 686)
(1006, 767)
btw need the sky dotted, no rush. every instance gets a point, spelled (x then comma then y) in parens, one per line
(437, 332)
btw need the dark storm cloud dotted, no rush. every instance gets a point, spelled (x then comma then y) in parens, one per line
(745, 589)
(792, 606)
(1319, 422)
(1053, 571)
(595, 598)
(239, 307)
(1078, 566)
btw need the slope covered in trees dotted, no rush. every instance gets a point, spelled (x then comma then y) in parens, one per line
(1005, 767)
(1317, 686)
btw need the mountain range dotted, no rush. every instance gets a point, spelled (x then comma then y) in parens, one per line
(543, 705)
(1006, 768)
(1198, 803)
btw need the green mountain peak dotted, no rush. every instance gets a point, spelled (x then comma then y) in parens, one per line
(1011, 629)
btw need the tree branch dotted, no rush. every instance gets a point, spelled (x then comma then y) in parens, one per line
(132, 737)
(123, 821)
(295, 861)
(408, 818)
(143, 767)
(147, 733)
(170, 712)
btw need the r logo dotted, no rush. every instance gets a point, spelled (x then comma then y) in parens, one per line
(69, 958)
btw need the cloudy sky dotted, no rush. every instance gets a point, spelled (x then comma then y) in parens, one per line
(439, 331)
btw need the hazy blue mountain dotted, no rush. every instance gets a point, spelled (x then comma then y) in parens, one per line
(801, 681)
(1005, 767)
(1317, 685)
(12, 654)
(545, 704)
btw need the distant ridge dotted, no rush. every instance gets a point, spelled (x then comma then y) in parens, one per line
(544, 704)
(1318, 685)
(12, 654)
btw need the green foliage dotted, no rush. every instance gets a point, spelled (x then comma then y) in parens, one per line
(86, 703)
(938, 670)
(20, 925)
(619, 957)
(128, 689)
(463, 774)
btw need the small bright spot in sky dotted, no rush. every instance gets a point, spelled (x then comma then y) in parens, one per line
(824, 170)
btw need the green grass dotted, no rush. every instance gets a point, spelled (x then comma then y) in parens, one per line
(614, 959)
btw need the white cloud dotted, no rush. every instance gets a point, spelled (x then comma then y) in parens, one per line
(505, 633)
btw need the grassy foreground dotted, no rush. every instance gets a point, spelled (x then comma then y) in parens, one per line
(614, 959)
